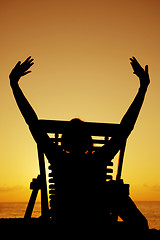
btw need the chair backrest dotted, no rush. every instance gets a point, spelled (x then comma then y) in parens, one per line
(100, 133)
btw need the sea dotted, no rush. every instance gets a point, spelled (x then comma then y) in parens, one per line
(150, 209)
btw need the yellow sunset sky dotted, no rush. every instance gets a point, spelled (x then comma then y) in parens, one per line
(81, 50)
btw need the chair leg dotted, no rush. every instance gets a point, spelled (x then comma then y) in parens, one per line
(31, 204)
(35, 185)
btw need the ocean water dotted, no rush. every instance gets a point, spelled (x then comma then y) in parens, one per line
(151, 210)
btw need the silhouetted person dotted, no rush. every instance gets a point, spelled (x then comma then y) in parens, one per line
(77, 144)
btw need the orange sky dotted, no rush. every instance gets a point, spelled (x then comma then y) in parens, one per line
(81, 51)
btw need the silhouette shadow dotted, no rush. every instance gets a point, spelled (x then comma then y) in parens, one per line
(81, 187)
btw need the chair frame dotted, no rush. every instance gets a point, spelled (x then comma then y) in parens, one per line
(57, 127)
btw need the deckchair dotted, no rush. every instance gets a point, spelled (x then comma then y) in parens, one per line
(100, 133)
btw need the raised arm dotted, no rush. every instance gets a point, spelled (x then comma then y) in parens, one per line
(27, 111)
(21, 69)
(129, 119)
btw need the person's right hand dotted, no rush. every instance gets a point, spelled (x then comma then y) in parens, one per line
(140, 72)
(20, 70)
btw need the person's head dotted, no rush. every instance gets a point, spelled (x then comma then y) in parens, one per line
(75, 139)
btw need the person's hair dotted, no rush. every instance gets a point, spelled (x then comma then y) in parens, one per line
(77, 137)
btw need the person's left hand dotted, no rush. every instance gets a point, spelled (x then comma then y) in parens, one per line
(20, 70)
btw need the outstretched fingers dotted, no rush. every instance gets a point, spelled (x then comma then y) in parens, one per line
(25, 73)
(27, 64)
(135, 64)
(140, 72)
(20, 70)
(134, 61)
(29, 60)
(146, 68)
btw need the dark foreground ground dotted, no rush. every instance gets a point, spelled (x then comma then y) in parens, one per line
(36, 227)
